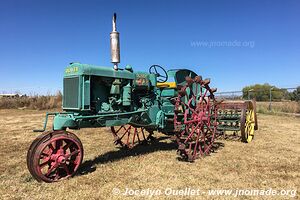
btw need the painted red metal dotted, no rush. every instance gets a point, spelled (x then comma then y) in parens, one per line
(55, 156)
(195, 119)
(129, 136)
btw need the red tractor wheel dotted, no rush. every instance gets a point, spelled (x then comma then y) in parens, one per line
(54, 156)
(195, 118)
(128, 136)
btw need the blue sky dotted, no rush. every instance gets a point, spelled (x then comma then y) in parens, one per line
(238, 43)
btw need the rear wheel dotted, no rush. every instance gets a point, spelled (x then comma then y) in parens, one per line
(195, 118)
(129, 136)
(54, 156)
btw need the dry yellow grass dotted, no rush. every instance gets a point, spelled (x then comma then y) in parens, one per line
(32, 102)
(270, 161)
(279, 107)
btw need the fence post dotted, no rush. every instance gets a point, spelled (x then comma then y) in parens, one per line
(270, 103)
(249, 93)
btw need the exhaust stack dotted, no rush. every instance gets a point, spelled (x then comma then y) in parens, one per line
(115, 43)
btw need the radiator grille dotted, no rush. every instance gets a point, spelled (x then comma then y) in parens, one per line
(71, 93)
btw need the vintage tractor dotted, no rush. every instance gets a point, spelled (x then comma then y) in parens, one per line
(178, 103)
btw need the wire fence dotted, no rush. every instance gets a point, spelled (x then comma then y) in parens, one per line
(282, 100)
(272, 94)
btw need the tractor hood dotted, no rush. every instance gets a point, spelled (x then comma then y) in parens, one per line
(77, 69)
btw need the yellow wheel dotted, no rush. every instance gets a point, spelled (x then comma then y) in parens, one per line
(248, 123)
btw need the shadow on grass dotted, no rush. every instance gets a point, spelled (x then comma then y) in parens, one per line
(158, 144)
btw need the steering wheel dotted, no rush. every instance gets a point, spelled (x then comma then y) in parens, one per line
(161, 74)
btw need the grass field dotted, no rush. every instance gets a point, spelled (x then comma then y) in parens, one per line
(270, 161)
(278, 107)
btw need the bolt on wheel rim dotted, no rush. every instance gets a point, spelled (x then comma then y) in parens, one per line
(59, 159)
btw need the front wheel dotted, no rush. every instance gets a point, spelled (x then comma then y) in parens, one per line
(54, 156)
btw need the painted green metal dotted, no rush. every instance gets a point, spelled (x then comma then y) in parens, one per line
(78, 69)
(46, 121)
(126, 99)
(77, 121)
(97, 96)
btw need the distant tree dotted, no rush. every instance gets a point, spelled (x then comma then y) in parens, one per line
(59, 95)
(261, 92)
(295, 95)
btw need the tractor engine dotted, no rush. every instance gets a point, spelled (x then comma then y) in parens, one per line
(97, 90)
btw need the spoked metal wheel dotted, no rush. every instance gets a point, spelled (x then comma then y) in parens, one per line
(54, 156)
(248, 123)
(129, 136)
(195, 118)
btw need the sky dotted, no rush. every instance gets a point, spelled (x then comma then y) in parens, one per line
(233, 42)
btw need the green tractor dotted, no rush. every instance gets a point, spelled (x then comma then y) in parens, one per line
(178, 103)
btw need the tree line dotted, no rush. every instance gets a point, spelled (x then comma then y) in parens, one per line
(263, 92)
